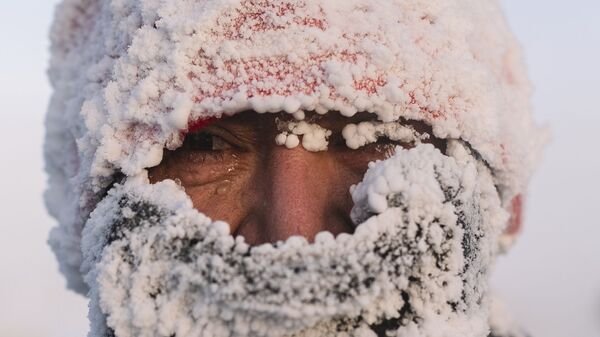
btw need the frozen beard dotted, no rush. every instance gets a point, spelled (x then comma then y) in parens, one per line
(416, 265)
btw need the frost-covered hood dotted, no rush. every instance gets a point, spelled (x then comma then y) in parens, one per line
(131, 76)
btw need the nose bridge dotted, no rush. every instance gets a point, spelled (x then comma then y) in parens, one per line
(296, 185)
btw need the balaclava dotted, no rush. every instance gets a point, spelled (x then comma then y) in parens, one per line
(132, 77)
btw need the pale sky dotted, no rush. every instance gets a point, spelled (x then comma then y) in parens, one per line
(551, 280)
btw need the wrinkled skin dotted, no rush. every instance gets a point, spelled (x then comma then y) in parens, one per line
(232, 169)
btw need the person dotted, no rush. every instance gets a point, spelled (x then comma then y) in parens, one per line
(287, 168)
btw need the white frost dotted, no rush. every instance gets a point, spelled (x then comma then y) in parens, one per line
(357, 135)
(314, 137)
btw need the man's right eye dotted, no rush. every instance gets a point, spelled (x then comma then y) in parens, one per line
(205, 142)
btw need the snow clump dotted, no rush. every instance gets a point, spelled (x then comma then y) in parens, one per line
(314, 137)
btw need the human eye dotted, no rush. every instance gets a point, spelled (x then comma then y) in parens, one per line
(206, 156)
(207, 142)
(365, 142)
(381, 149)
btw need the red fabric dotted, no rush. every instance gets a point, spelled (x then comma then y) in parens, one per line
(516, 219)
(199, 124)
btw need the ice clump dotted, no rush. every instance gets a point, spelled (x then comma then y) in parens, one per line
(314, 137)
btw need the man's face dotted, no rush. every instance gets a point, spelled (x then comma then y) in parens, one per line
(234, 170)
(424, 223)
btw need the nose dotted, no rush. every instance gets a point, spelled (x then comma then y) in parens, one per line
(301, 193)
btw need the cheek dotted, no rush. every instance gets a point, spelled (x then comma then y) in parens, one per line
(226, 200)
(217, 188)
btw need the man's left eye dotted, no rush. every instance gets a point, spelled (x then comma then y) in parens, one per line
(205, 141)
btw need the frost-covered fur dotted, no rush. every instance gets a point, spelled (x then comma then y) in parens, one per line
(128, 76)
(417, 266)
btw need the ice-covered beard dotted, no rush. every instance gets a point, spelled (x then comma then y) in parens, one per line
(415, 266)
